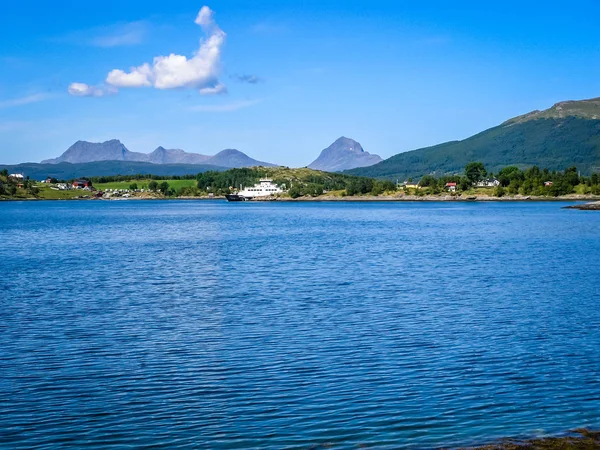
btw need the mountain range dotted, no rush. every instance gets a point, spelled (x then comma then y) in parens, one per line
(114, 150)
(567, 134)
(343, 154)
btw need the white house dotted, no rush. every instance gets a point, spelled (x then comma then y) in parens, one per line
(490, 182)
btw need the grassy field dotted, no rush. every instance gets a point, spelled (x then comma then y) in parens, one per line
(51, 194)
(143, 184)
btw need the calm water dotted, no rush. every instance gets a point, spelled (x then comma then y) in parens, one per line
(215, 325)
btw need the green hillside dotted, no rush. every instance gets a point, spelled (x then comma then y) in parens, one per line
(68, 171)
(568, 134)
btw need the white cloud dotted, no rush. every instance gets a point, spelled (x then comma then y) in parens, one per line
(214, 90)
(117, 35)
(132, 33)
(227, 107)
(137, 77)
(200, 72)
(33, 98)
(85, 90)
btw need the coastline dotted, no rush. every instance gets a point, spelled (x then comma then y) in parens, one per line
(594, 200)
(593, 206)
(581, 438)
(435, 198)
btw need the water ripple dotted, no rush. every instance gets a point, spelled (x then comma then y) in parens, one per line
(212, 325)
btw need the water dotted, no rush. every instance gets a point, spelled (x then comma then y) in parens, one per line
(268, 325)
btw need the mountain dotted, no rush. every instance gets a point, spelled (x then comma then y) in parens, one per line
(82, 152)
(114, 150)
(68, 171)
(175, 156)
(343, 154)
(567, 134)
(235, 158)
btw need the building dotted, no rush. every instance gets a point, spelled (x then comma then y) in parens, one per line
(411, 184)
(451, 187)
(17, 176)
(82, 184)
(547, 183)
(490, 182)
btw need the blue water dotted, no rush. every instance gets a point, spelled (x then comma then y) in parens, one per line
(269, 325)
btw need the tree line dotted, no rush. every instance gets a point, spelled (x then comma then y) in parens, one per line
(513, 181)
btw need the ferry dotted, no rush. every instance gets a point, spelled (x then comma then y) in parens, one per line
(264, 188)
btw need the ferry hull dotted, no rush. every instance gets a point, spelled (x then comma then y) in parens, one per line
(236, 198)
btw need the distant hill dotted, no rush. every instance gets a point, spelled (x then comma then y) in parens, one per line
(175, 156)
(564, 135)
(67, 171)
(235, 159)
(343, 154)
(114, 150)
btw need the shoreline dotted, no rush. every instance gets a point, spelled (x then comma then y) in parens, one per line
(580, 438)
(593, 206)
(435, 198)
(593, 199)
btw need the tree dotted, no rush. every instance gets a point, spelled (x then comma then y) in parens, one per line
(133, 187)
(427, 181)
(295, 191)
(164, 188)
(153, 186)
(475, 171)
(508, 174)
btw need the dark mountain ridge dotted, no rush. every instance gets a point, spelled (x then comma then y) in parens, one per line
(567, 134)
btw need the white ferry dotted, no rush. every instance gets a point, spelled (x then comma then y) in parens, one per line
(264, 188)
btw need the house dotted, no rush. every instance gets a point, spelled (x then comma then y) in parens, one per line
(82, 184)
(16, 176)
(547, 183)
(48, 180)
(411, 184)
(490, 182)
(451, 186)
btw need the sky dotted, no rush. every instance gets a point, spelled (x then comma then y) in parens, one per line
(281, 81)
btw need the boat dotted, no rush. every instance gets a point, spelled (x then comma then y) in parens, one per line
(264, 188)
(236, 198)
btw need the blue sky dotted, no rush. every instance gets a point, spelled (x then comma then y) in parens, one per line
(281, 81)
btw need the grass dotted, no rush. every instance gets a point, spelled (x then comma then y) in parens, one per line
(143, 184)
(51, 194)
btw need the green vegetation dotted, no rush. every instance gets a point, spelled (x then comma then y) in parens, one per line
(514, 181)
(554, 143)
(127, 169)
(140, 183)
(509, 181)
(299, 182)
